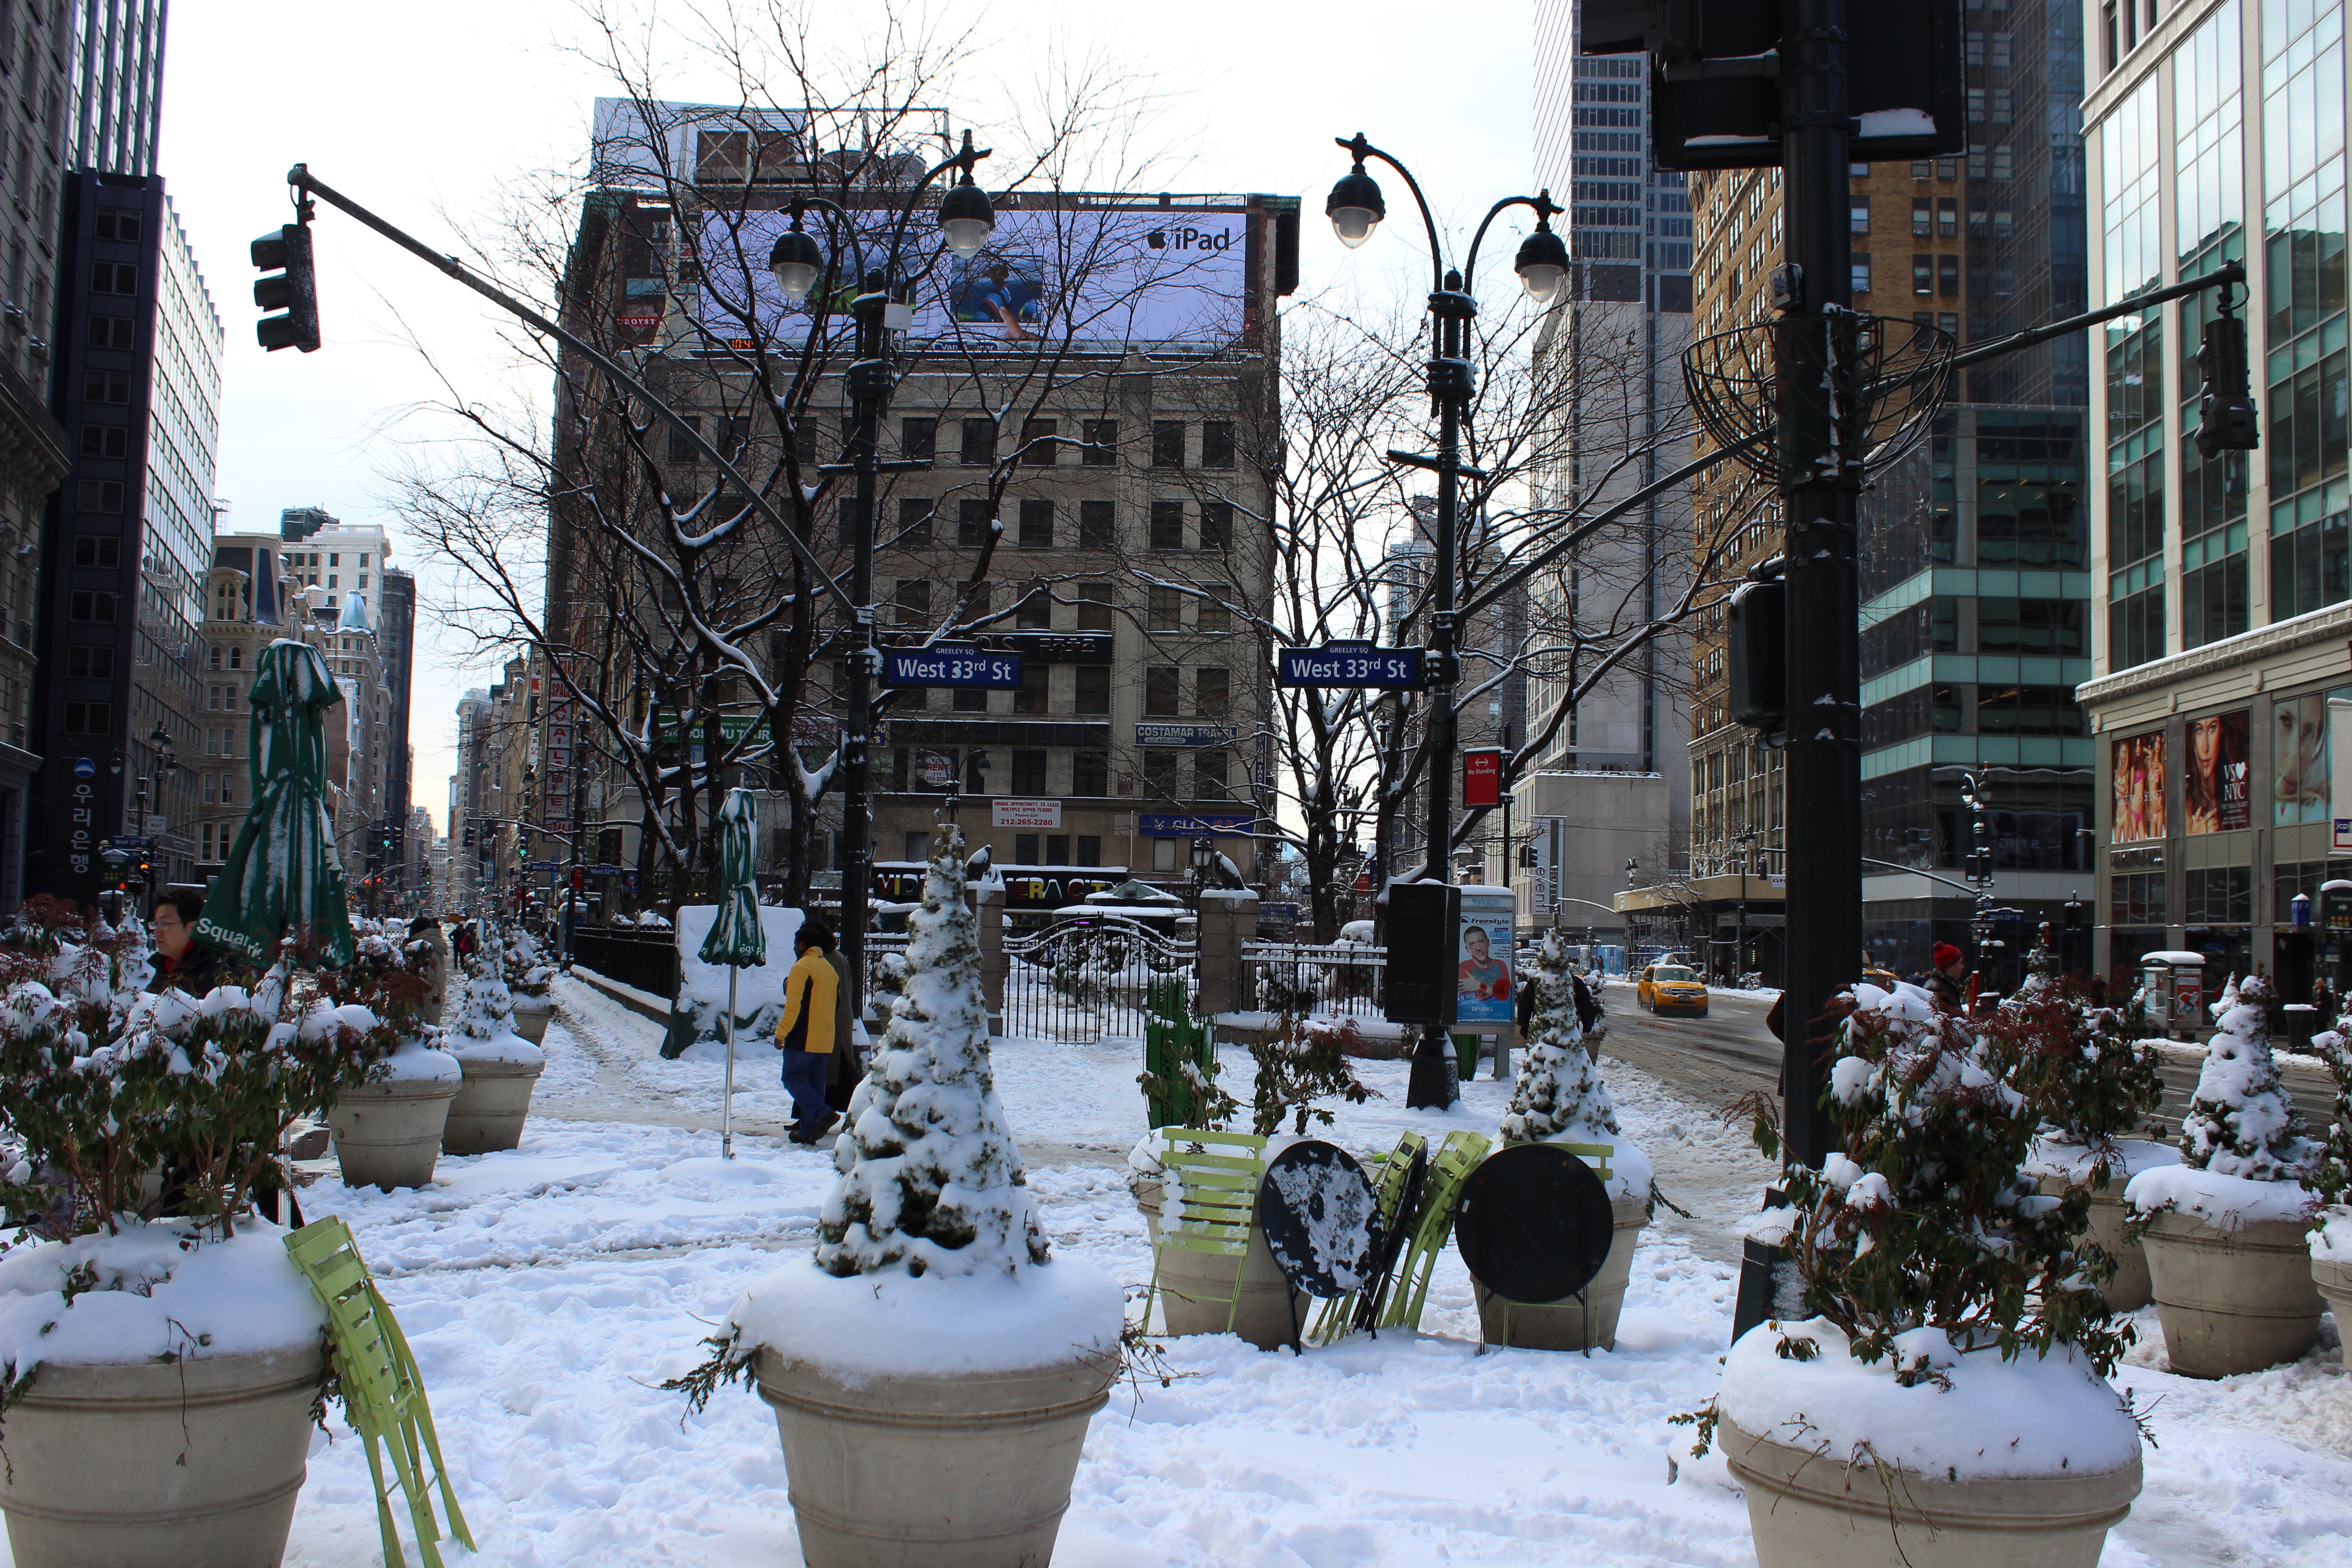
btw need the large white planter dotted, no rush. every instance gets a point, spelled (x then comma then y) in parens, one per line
(530, 1018)
(491, 1104)
(2231, 1301)
(1808, 1510)
(2332, 1275)
(2127, 1289)
(956, 1470)
(389, 1134)
(1582, 1321)
(1196, 1288)
(170, 1465)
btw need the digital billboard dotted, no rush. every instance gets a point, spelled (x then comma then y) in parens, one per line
(1065, 276)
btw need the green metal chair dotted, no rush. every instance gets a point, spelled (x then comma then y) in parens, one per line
(1432, 1223)
(1390, 1172)
(1207, 1205)
(383, 1396)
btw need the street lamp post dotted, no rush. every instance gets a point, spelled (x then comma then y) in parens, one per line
(798, 261)
(1356, 207)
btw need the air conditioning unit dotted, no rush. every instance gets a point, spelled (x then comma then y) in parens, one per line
(14, 314)
(39, 349)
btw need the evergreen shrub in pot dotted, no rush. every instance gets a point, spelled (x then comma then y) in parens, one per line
(1947, 1402)
(161, 1359)
(499, 1066)
(2331, 1230)
(528, 976)
(2091, 1080)
(2224, 1230)
(933, 1368)
(1560, 1098)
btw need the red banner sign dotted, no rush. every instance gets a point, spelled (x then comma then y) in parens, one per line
(1482, 776)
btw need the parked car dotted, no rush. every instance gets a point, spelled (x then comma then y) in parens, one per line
(1671, 988)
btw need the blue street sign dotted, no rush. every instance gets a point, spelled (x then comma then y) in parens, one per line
(1171, 824)
(84, 768)
(951, 664)
(1349, 663)
(603, 870)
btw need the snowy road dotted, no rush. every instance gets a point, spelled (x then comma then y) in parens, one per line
(548, 1291)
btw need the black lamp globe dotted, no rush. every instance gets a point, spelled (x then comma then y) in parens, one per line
(1542, 263)
(1354, 207)
(797, 261)
(965, 217)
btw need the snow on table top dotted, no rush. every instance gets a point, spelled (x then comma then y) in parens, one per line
(2030, 1416)
(237, 1297)
(2221, 1201)
(872, 1325)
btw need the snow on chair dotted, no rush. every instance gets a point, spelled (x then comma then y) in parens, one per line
(1432, 1223)
(383, 1395)
(1209, 1204)
(1398, 1178)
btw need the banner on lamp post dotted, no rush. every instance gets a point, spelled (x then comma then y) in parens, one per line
(1482, 776)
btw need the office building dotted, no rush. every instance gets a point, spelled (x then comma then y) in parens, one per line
(2216, 133)
(129, 543)
(118, 83)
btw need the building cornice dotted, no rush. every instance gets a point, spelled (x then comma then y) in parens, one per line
(2329, 625)
(32, 442)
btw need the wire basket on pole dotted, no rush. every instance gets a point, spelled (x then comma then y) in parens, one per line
(1901, 371)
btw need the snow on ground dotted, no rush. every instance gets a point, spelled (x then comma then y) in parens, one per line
(546, 1291)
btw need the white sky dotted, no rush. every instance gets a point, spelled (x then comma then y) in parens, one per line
(427, 119)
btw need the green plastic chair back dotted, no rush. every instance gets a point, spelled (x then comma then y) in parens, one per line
(1432, 1223)
(1208, 1204)
(1388, 1172)
(383, 1396)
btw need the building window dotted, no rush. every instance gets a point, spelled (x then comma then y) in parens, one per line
(1208, 773)
(1036, 524)
(1921, 211)
(1101, 438)
(1861, 265)
(96, 607)
(1162, 691)
(88, 718)
(84, 662)
(2311, 566)
(1160, 777)
(1947, 276)
(1094, 606)
(98, 550)
(1096, 525)
(1212, 691)
(1168, 525)
(1947, 217)
(919, 438)
(1216, 525)
(970, 700)
(1028, 773)
(914, 602)
(109, 441)
(1039, 443)
(1214, 617)
(1089, 774)
(114, 277)
(1163, 608)
(1217, 444)
(1093, 692)
(681, 448)
(106, 386)
(1034, 612)
(1923, 274)
(1089, 847)
(915, 524)
(119, 332)
(974, 517)
(1860, 222)
(979, 449)
(1167, 443)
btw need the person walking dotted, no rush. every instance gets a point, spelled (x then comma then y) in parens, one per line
(806, 1032)
(181, 963)
(1945, 981)
(847, 1064)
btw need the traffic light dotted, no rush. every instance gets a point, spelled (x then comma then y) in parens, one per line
(2225, 409)
(470, 835)
(292, 289)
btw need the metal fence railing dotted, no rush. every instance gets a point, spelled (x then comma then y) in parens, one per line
(645, 960)
(886, 954)
(1340, 980)
(1082, 981)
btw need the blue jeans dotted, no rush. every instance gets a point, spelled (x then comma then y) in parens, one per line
(804, 1075)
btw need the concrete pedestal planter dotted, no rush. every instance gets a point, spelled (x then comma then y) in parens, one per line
(960, 1470)
(1196, 1288)
(531, 1014)
(388, 1131)
(1583, 1321)
(1809, 1510)
(2231, 1301)
(159, 1465)
(491, 1104)
(2059, 1166)
(2331, 1270)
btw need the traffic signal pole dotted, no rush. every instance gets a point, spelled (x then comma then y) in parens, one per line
(1819, 483)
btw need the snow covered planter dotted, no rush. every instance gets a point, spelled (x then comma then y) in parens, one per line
(2090, 1079)
(933, 1371)
(499, 1065)
(1560, 1098)
(2331, 1230)
(388, 1130)
(1946, 1405)
(2224, 1230)
(160, 1357)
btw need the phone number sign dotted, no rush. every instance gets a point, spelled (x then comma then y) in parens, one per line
(952, 665)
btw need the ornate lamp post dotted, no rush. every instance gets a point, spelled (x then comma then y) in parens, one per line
(1356, 207)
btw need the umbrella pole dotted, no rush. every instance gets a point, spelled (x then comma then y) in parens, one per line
(727, 1100)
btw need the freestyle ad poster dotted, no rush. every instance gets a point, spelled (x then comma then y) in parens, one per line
(1483, 982)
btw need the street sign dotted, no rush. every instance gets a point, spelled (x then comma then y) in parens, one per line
(951, 664)
(1349, 663)
(129, 841)
(1482, 776)
(544, 865)
(601, 870)
(1173, 824)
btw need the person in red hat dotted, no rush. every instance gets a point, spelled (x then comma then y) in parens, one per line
(1947, 980)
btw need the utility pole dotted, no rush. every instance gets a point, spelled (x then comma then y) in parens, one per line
(1817, 490)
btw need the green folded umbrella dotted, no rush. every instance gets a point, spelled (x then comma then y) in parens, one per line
(283, 873)
(735, 939)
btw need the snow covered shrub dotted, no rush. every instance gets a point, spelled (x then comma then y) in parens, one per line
(122, 1105)
(2333, 1178)
(1301, 1060)
(524, 962)
(2241, 1122)
(930, 1179)
(2086, 1073)
(1926, 1219)
(486, 1010)
(1560, 1094)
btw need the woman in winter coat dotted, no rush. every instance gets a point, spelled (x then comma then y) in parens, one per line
(806, 1032)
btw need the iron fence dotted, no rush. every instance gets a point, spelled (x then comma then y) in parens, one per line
(1337, 980)
(1084, 981)
(645, 960)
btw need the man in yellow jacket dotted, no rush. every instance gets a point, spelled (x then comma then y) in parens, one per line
(806, 1033)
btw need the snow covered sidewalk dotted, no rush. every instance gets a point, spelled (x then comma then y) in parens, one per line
(548, 1291)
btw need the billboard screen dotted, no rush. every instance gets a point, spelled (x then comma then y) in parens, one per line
(2217, 798)
(1062, 276)
(2136, 785)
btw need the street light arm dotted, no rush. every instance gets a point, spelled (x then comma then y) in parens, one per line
(1543, 207)
(301, 179)
(1915, 871)
(1360, 150)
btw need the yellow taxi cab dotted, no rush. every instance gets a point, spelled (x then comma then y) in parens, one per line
(1671, 988)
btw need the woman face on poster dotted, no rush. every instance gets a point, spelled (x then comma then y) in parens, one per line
(2204, 813)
